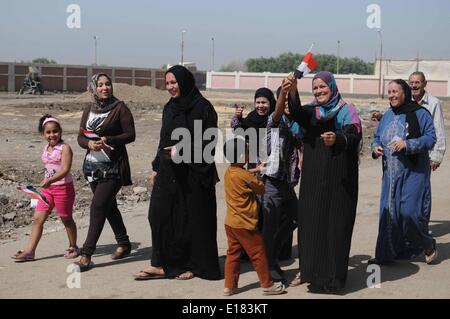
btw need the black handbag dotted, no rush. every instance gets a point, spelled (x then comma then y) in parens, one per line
(100, 171)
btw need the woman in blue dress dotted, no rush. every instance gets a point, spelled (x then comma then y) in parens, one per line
(403, 138)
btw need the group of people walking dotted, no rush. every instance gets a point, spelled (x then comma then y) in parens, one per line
(321, 139)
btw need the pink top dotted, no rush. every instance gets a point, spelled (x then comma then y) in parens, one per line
(52, 162)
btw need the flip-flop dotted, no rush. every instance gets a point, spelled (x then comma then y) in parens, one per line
(148, 276)
(72, 252)
(23, 256)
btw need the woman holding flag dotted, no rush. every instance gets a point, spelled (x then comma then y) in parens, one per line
(106, 127)
(329, 186)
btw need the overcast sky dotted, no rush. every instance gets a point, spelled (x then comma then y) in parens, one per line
(148, 33)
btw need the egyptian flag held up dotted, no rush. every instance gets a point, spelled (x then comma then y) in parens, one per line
(33, 193)
(308, 64)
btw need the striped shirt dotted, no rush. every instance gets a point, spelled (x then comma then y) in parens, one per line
(283, 143)
(433, 105)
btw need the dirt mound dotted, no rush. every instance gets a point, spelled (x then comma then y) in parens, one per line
(133, 93)
(15, 209)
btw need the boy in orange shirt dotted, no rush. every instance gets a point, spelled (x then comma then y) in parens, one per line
(241, 189)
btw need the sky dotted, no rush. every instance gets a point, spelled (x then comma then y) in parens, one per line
(139, 33)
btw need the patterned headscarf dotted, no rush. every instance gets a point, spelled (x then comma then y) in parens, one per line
(336, 107)
(99, 103)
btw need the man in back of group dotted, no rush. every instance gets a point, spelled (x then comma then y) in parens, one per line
(417, 83)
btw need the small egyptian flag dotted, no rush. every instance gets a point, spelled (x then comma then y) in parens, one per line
(33, 193)
(93, 135)
(89, 134)
(308, 64)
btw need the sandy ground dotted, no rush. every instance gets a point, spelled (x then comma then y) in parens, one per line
(47, 277)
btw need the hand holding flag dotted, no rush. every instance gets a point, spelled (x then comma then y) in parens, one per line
(94, 136)
(33, 193)
(89, 134)
(308, 64)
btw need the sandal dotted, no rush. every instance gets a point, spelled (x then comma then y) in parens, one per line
(145, 275)
(72, 252)
(185, 276)
(297, 281)
(230, 291)
(84, 263)
(431, 254)
(23, 256)
(122, 251)
(276, 289)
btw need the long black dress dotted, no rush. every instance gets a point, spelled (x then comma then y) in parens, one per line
(183, 208)
(327, 201)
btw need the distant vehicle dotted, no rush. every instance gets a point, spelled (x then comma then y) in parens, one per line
(32, 84)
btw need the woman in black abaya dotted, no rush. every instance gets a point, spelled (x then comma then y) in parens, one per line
(183, 209)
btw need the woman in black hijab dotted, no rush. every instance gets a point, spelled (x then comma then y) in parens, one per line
(403, 139)
(256, 119)
(183, 208)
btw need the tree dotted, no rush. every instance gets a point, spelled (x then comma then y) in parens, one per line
(234, 66)
(43, 61)
(288, 62)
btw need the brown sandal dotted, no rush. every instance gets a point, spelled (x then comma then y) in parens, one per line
(145, 275)
(121, 252)
(84, 263)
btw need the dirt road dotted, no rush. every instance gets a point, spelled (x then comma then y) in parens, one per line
(47, 277)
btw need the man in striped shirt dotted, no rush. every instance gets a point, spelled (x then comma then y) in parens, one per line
(417, 83)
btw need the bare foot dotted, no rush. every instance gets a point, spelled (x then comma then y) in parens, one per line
(185, 276)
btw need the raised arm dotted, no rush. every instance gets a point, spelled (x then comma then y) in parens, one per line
(236, 120)
(298, 114)
(286, 87)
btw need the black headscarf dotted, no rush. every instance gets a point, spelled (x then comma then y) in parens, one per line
(409, 107)
(255, 120)
(181, 112)
(189, 93)
(101, 105)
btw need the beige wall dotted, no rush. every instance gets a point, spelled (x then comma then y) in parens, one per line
(347, 84)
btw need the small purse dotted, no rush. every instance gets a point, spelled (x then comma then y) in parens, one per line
(100, 171)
